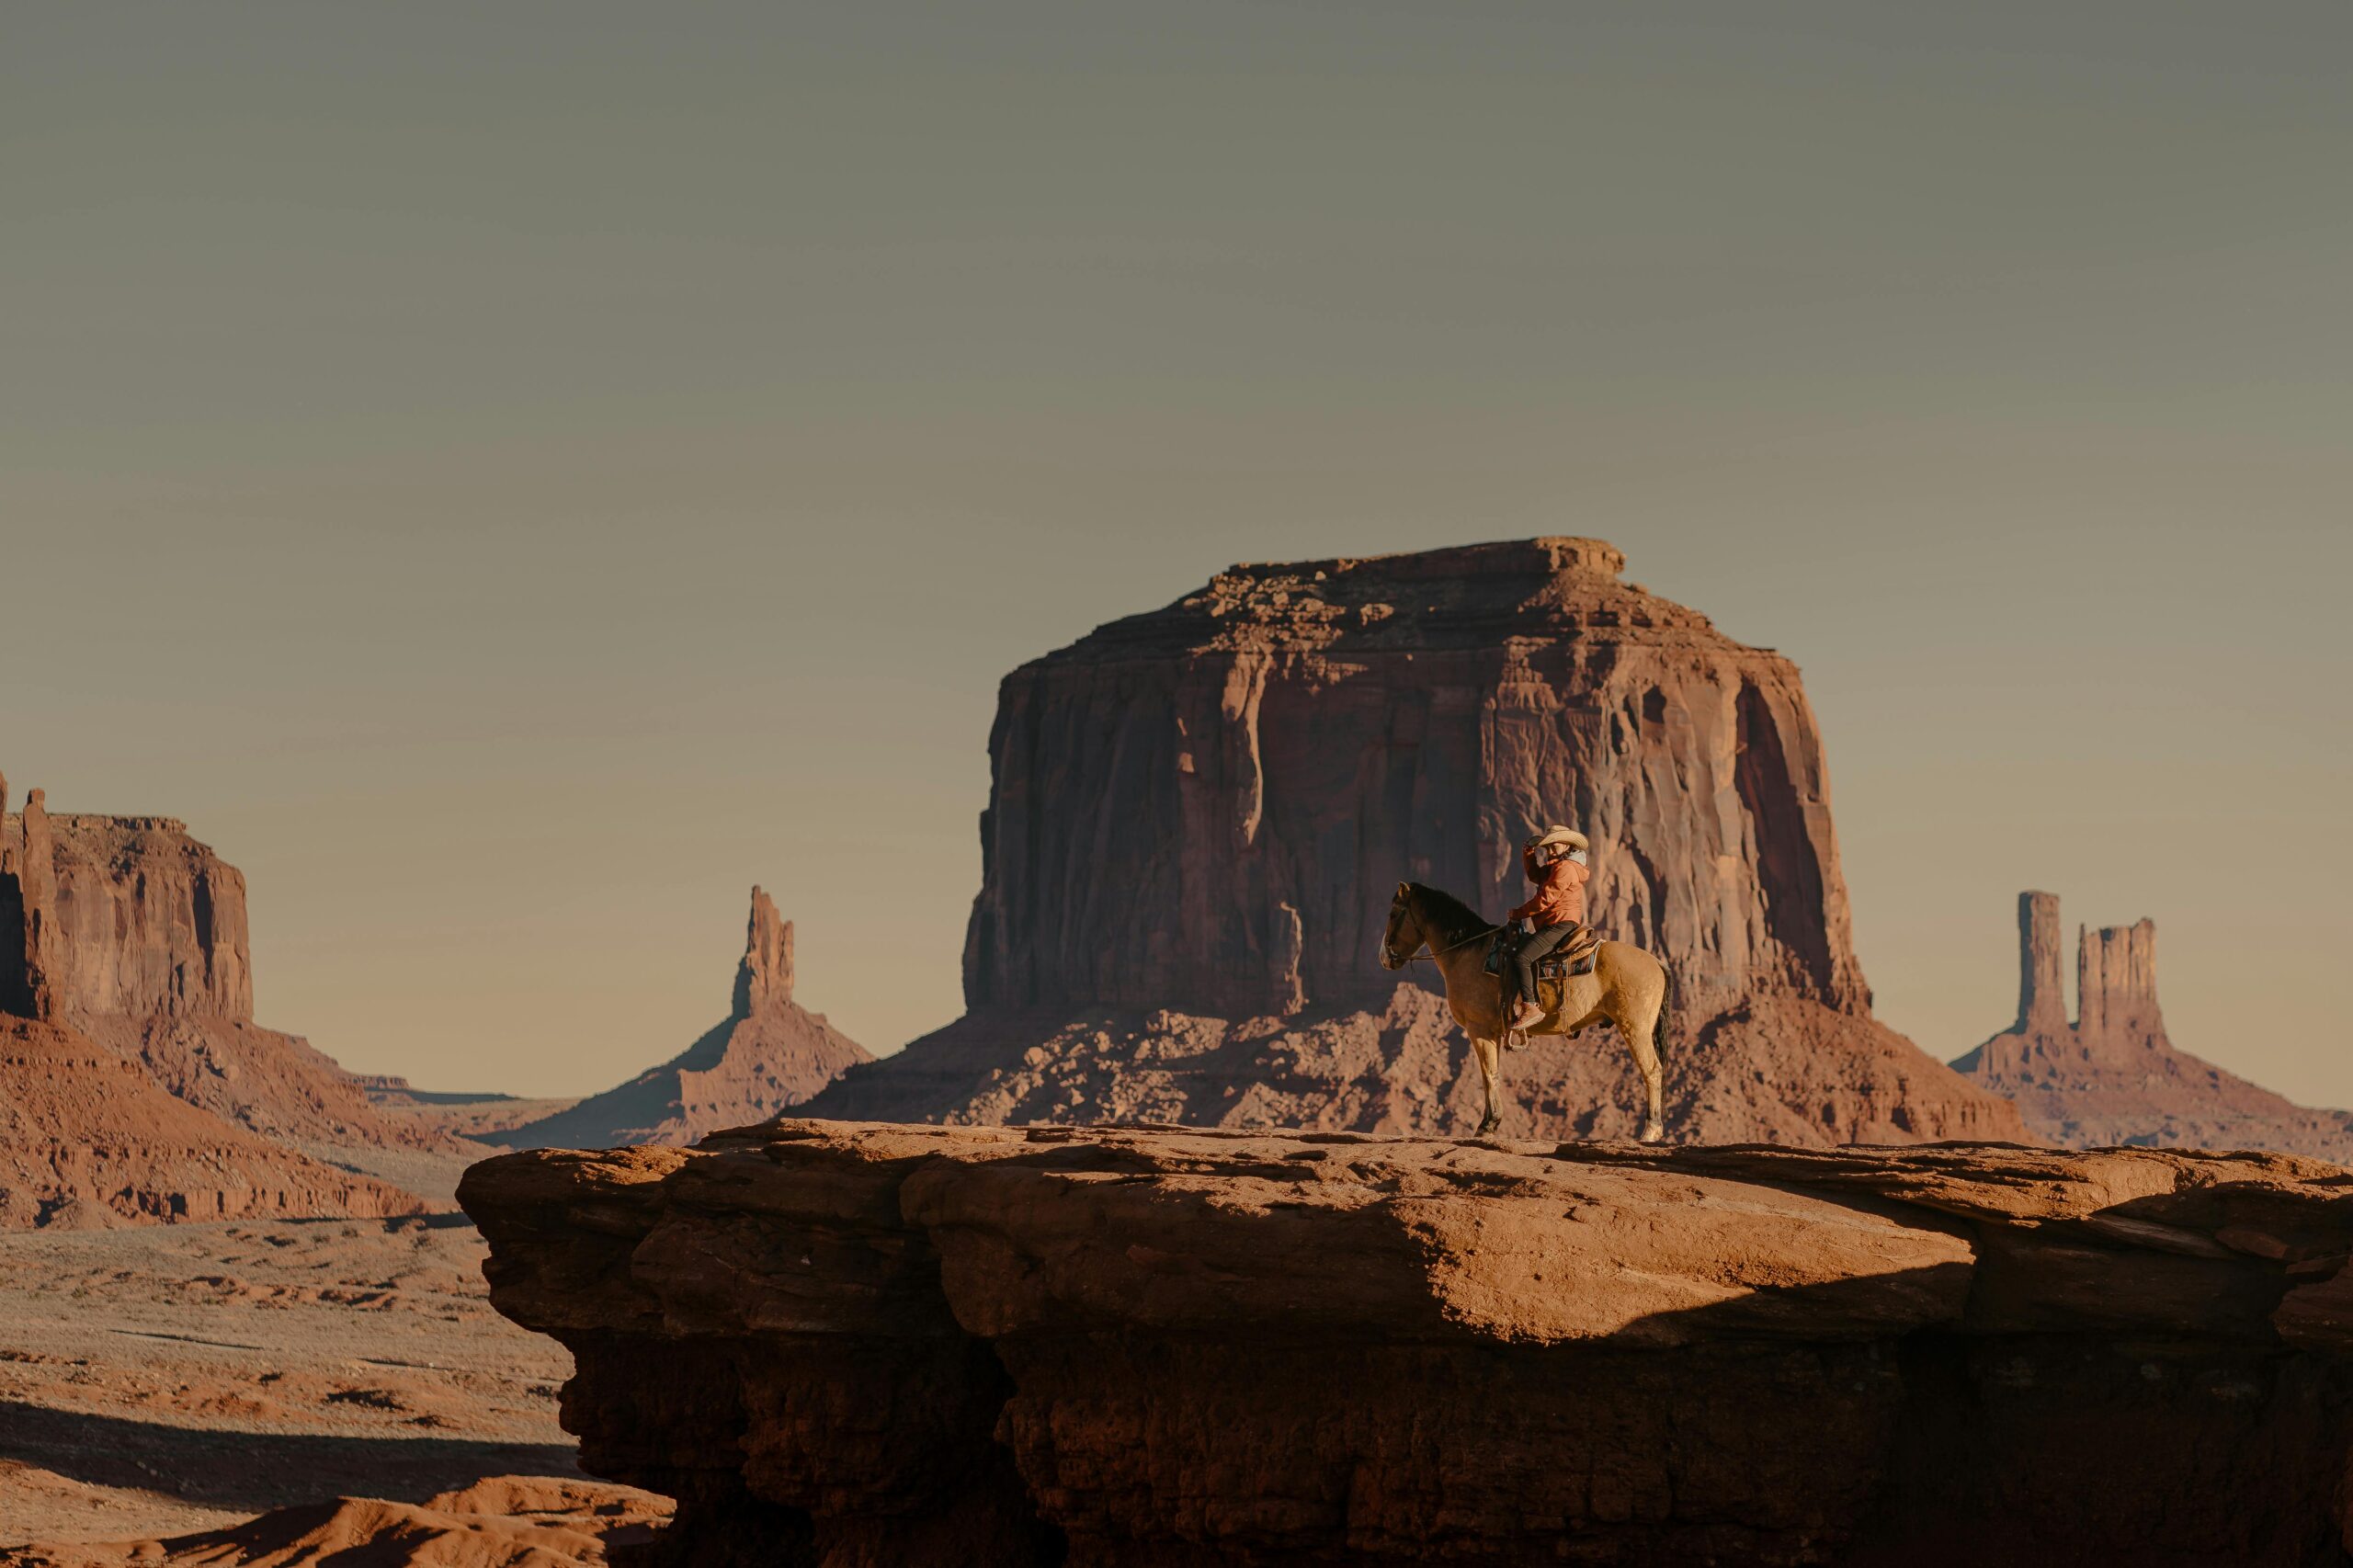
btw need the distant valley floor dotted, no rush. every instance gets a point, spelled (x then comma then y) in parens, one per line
(171, 1379)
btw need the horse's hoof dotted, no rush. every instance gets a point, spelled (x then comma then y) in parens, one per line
(1484, 1128)
(1653, 1132)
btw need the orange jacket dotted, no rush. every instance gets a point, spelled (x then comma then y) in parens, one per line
(1560, 892)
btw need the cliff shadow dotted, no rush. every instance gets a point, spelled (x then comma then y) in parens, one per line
(258, 1470)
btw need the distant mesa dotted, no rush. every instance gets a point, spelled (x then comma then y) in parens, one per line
(2113, 1077)
(1196, 817)
(768, 1055)
(134, 1085)
(129, 931)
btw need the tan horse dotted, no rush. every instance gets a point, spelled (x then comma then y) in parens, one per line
(1627, 987)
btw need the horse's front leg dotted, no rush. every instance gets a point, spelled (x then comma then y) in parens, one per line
(1485, 1051)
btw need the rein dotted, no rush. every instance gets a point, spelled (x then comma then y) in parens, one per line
(1437, 953)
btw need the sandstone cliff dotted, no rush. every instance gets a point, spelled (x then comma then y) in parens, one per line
(2113, 1077)
(87, 1139)
(1149, 1347)
(132, 933)
(767, 1054)
(1200, 814)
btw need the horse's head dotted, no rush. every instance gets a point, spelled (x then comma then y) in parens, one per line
(1403, 937)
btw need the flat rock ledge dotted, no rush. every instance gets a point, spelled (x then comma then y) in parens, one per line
(862, 1344)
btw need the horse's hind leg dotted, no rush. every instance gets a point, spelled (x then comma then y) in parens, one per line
(1485, 1051)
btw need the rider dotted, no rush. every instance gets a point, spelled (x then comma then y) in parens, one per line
(1555, 861)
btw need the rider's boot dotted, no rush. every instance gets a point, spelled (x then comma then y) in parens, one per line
(1526, 1015)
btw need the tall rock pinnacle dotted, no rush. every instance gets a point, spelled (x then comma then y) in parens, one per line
(767, 1055)
(2042, 1003)
(2116, 987)
(765, 977)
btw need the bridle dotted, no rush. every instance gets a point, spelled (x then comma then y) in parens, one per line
(1434, 954)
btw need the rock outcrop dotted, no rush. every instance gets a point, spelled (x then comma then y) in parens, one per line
(769, 1053)
(852, 1344)
(506, 1521)
(2113, 1077)
(130, 932)
(89, 1140)
(1200, 814)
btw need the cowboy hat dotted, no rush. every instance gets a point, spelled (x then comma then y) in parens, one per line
(1568, 837)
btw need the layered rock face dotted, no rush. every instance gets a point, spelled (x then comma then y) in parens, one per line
(148, 922)
(2113, 1077)
(767, 1054)
(89, 1139)
(1205, 810)
(859, 1345)
(133, 934)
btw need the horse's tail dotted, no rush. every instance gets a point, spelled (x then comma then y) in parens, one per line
(1665, 996)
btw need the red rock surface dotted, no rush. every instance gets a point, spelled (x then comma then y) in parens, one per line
(925, 1345)
(767, 1054)
(2113, 1077)
(87, 1139)
(138, 940)
(1202, 812)
(510, 1521)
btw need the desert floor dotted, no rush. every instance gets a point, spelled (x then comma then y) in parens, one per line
(169, 1379)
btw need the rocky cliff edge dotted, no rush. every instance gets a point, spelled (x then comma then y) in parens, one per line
(846, 1345)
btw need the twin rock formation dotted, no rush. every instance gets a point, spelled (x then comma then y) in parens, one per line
(1196, 817)
(2113, 1077)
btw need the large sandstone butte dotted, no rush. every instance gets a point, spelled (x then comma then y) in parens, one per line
(1166, 1348)
(133, 933)
(1197, 817)
(2113, 1077)
(767, 1054)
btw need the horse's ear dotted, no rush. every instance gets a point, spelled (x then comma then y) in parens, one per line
(1403, 888)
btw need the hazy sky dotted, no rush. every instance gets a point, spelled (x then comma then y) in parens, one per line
(514, 475)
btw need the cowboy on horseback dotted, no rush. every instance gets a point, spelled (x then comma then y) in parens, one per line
(1555, 861)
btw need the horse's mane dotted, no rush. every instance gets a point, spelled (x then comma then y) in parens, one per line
(1460, 919)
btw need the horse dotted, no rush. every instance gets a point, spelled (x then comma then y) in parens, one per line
(1627, 987)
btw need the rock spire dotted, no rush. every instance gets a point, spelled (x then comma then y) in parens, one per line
(765, 977)
(769, 1053)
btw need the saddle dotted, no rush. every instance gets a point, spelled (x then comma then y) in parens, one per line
(1573, 957)
(1553, 971)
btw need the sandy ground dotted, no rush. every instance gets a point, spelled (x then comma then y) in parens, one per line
(170, 1379)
